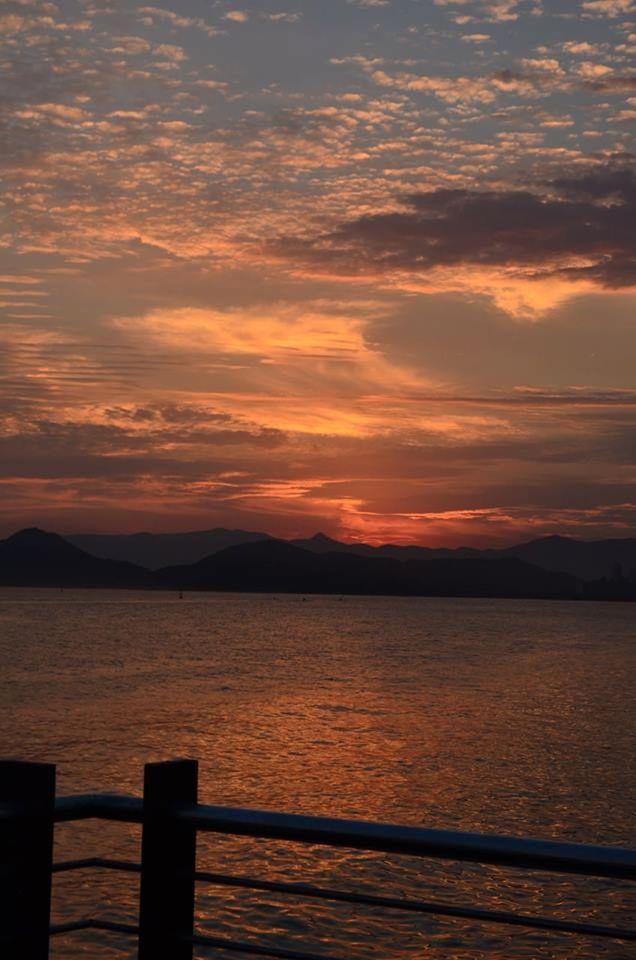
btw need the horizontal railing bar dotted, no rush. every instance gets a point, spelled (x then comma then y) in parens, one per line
(111, 926)
(363, 899)
(416, 841)
(256, 949)
(66, 865)
(548, 855)
(419, 906)
(102, 806)
(197, 939)
(70, 927)
(88, 863)
(372, 900)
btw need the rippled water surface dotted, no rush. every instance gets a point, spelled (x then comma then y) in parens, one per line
(494, 716)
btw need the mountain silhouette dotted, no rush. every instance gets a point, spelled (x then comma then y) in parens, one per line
(321, 565)
(154, 550)
(320, 543)
(587, 559)
(276, 566)
(36, 558)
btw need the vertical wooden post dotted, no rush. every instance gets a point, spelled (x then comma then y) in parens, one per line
(168, 861)
(26, 858)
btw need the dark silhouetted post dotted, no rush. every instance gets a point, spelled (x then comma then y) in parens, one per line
(168, 860)
(26, 858)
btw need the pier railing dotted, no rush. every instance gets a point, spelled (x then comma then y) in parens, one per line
(171, 817)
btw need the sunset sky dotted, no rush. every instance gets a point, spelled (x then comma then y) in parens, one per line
(359, 266)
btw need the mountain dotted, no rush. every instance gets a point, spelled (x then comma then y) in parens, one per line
(489, 577)
(276, 566)
(154, 550)
(320, 543)
(587, 559)
(35, 558)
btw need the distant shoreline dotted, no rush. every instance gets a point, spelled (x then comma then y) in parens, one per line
(150, 591)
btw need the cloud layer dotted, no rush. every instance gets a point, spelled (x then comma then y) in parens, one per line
(581, 227)
(367, 267)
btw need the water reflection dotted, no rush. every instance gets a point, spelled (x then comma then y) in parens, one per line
(496, 717)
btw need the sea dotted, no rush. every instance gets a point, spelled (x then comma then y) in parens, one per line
(494, 716)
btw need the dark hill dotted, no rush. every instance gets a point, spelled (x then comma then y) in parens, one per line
(35, 558)
(321, 543)
(154, 550)
(322, 565)
(587, 559)
(276, 566)
(490, 577)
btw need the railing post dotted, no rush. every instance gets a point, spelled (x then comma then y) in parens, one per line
(168, 861)
(26, 858)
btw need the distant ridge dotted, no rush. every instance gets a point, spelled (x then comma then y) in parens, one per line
(586, 559)
(276, 566)
(36, 558)
(154, 550)
(321, 543)
(547, 567)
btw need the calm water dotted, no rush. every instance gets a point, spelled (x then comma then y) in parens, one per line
(495, 716)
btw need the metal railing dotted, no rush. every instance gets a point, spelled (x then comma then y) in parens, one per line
(171, 817)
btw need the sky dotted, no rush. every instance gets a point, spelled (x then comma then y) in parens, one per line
(359, 266)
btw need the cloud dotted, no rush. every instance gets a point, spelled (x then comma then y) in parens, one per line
(274, 333)
(58, 113)
(11, 23)
(19, 278)
(495, 11)
(170, 51)
(452, 340)
(576, 227)
(256, 359)
(609, 83)
(364, 373)
(581, 47)
(283, 17)
(609, 8)
(133, 45)
(149, 14)
(531, 77)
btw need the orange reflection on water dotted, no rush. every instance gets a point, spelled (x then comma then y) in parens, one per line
(503, 717)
